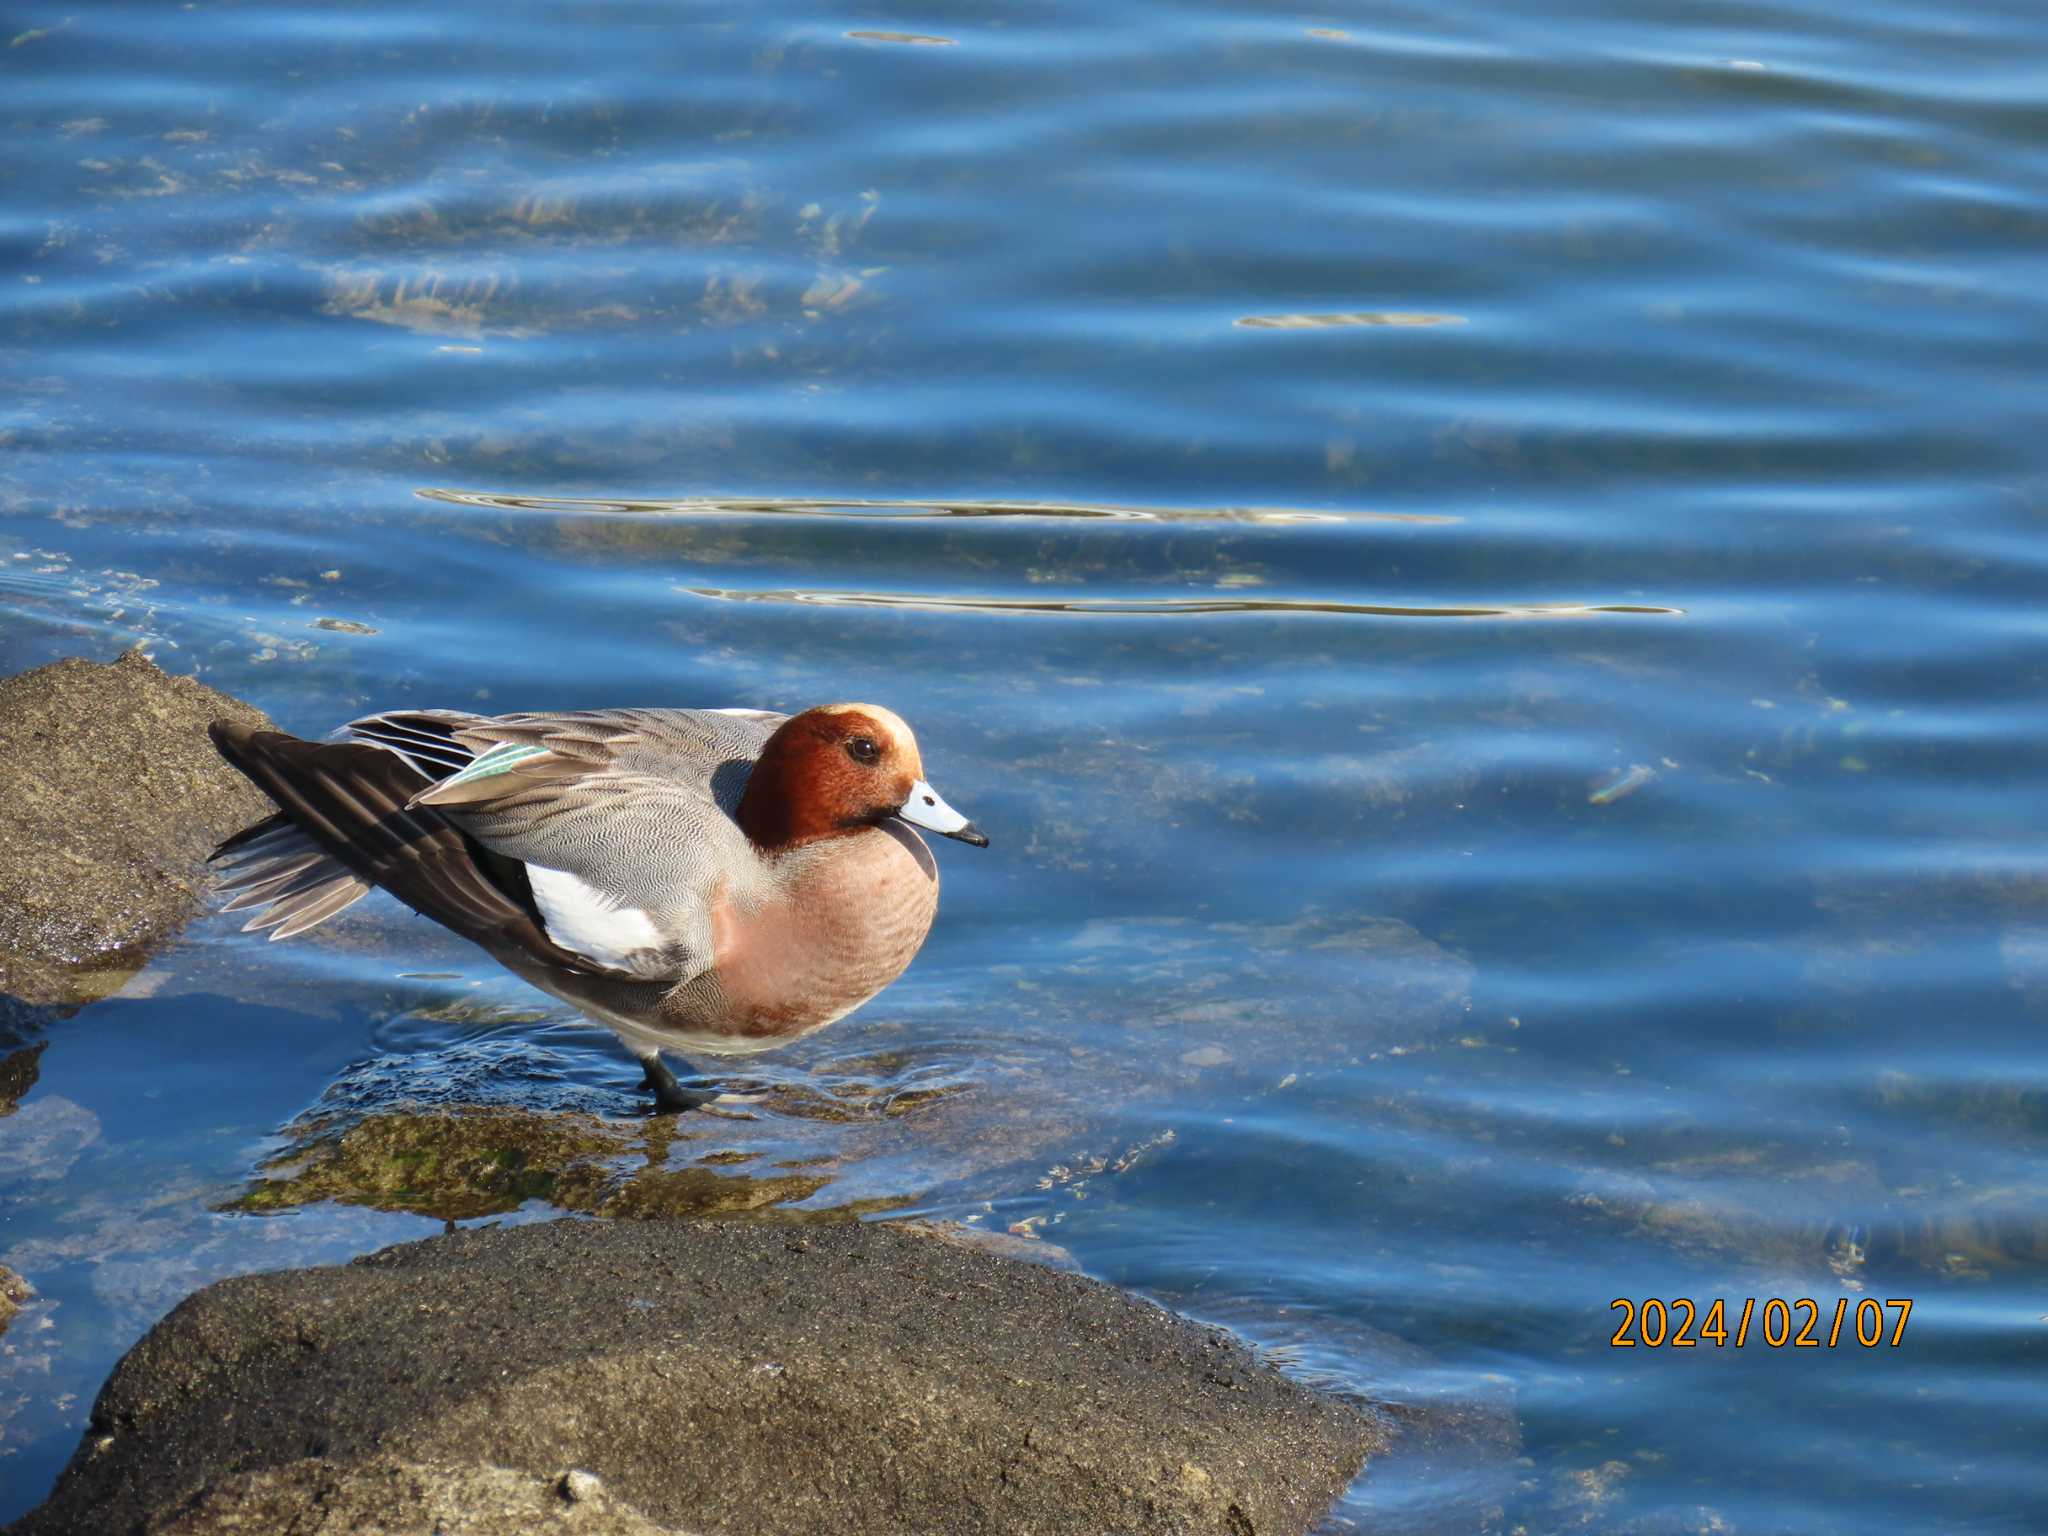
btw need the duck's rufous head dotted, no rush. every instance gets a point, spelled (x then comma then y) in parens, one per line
(837, 769)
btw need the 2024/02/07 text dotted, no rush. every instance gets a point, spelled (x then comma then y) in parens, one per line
(1681, 1324)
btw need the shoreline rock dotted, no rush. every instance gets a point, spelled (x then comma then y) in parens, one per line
(115, 798)
(714, 1376)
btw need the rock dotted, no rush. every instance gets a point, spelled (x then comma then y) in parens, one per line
(718, 1376)
(1453, 1453)
(114, 798)
(388, 1497)
(14, 1295)
(453, 1164)
(465, 1163)
(18, 1073)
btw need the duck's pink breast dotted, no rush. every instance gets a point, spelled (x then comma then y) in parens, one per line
(850, 913)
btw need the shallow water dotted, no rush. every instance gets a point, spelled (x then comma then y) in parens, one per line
(1482, 570)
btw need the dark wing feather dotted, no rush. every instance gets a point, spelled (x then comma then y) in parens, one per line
(423, 737)
(351, 800)
(266, 828)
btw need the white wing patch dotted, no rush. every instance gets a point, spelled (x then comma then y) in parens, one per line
(581, 918)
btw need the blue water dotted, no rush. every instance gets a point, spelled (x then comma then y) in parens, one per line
(1483, 569)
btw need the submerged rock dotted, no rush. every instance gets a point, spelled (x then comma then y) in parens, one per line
(715, 1376)
(14, 1295)
(19, 1070)
(461, 1164)
(455, 1165)
(114, 799)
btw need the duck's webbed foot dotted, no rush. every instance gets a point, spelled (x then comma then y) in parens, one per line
(670, 1096)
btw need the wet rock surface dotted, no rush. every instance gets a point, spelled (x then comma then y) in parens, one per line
(114, 799)
(714, 1376)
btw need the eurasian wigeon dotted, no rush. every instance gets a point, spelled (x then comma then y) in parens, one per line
(705, 880)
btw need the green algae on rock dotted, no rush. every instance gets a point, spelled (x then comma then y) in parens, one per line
(453, 1165)
(458, 1165)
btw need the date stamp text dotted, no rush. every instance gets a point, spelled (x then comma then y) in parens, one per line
(1776, 1323)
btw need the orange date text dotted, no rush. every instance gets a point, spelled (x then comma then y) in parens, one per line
(1775, 1323)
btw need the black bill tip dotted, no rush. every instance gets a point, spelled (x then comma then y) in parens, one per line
(970, 834)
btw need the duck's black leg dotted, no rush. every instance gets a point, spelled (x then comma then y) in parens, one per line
(670, 1096)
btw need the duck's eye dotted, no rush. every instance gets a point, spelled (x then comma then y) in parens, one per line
(862, 749)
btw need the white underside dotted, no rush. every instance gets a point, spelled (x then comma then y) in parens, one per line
(590, 922)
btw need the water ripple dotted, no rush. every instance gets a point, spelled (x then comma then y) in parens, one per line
(699, 506)
(1358, 317)
(940, 603)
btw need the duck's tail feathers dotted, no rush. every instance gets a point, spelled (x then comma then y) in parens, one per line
(344, 825)
(290, 880)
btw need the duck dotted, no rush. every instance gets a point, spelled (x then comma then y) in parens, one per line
(704, 881)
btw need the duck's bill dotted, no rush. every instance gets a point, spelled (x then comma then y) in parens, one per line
(925, 809)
